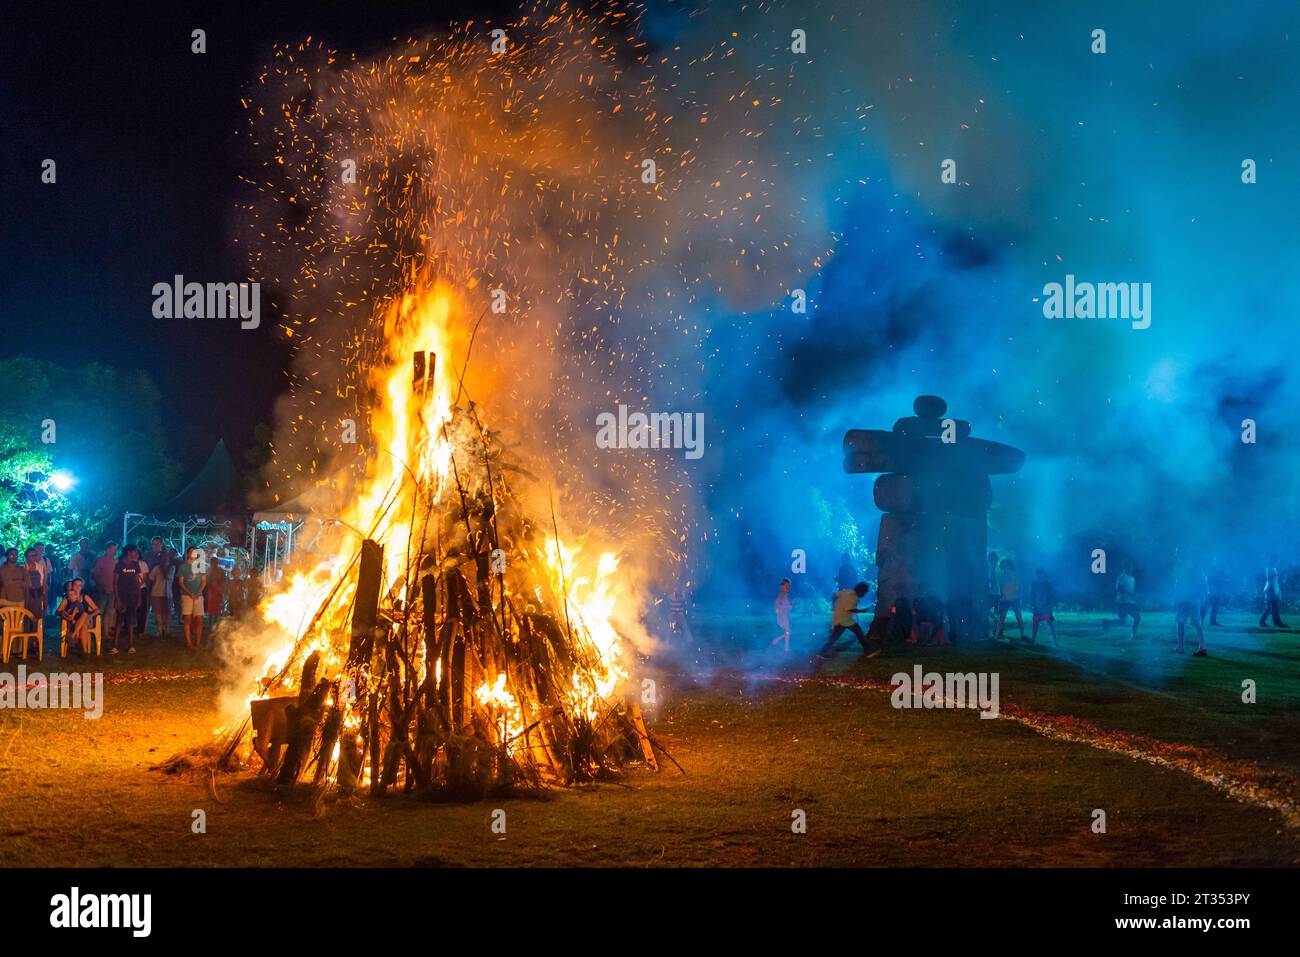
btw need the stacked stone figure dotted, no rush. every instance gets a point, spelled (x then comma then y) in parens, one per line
(935, 493)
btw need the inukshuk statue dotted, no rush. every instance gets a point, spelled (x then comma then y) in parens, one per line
(935, 494)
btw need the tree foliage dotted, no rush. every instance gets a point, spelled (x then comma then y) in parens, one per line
(107, 431)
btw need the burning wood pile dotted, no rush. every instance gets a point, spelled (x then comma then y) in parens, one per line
(458, 646)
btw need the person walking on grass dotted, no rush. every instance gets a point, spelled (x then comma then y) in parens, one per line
(192, 582)
(1125, 600)
(79, 611)
(783, 605)
(1272, 597)
(1214, 587)
(1189, 596)
(128, 586)
(845, 618)
(1041, 599)
(1009, 596)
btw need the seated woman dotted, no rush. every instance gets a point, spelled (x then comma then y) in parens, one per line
(79, 611)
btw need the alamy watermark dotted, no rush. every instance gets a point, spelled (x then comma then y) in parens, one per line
(78, 691)
(179, 299)
(75, 909)
(951, 690)
(651, 430)
(1129, 301)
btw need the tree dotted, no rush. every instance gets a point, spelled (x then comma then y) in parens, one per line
(35, 504)
(77, 446)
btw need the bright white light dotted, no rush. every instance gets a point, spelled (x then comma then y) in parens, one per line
(62, 481)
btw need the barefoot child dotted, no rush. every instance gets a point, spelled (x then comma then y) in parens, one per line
(783, 605)
(79, 611)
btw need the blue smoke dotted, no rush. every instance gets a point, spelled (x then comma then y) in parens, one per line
(1122, 167)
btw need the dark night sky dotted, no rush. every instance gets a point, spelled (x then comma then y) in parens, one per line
(144, 135)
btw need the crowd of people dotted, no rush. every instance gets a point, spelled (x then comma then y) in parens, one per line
(1198, 593)
(118, 594)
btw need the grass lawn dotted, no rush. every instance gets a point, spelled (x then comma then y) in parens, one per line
(758, 740)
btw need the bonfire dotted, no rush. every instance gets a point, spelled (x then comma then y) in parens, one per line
(455, 633)
(460, 645)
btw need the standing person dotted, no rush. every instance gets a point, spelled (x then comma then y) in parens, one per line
(845, 618)
(783, 605)
(47, 573)
(156, 552)
(160, 594)
(80, 563)
(191, 581)
(1125, 600)
(214, 593)
(1272, 597)
(128, 588)
(142, 615)
(1009, 596)
(678, 623)
(239, 590)
(104, 593)
(37, 597)
(1041, 599)
(1214, 587)
(1189, 594)
(13, 580)
(79, 611)
(176, 592)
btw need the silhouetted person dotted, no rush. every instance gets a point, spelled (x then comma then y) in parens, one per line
(845, 618)
(1214, 587)
(1041, 599)
(1009, 596)
(1125, 600)
(1272, 597)
(927, 621)
(678, 622)
(1189, 595)
(782, 606)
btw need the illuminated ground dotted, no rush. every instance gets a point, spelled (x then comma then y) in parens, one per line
(880, 786)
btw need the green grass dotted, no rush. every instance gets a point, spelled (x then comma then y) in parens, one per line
(880, 786)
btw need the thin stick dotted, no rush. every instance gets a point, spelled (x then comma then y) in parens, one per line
(559, 558)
